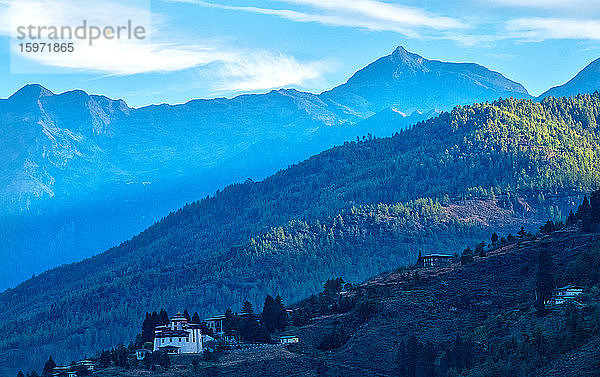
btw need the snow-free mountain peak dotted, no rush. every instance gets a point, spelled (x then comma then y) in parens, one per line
(30, 92)
(586, 81)
(410, 82)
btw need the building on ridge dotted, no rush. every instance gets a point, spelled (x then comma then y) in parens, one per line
(179, 336)
(434, 260)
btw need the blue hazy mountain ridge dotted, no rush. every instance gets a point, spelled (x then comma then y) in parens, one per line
(409, 82)
(86, 172)
(586, 81)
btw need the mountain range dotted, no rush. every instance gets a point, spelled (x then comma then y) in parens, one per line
(85, 172)
(355, 210)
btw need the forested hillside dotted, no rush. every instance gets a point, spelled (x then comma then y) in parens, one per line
(351, 210)
(87, 172)
(482, 316)
(486, 314)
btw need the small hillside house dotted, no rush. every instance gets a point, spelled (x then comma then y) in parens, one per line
(89, 365)
(215, 323)
(564, 294)
(179, 336)
(434, 260)
(73, 370)
(287, 339)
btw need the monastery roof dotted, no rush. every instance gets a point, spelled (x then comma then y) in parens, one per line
(216, 318)
(570, 286)
(438, 256)
(178, 316)
(168, 333)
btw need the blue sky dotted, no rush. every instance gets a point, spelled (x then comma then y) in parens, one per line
(203, 49)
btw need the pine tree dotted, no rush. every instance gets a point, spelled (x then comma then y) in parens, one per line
(269, 314)
(230, 323)
(104, 360)
(544, 279)
(480, 249)
(48, 367)
(571, 220)
(548, 228)
(196, 318)
(247, 308)
(584, 211)
(148, 327)
(163, 318)
(282, 316)
(595, 207)
(467, 256)
(494, 239)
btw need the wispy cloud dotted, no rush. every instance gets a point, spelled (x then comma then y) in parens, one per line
(367, 14)
(384, 12)
(413, 22)
(565, 5)
(236, 69)
(535, 29)
(266, 70)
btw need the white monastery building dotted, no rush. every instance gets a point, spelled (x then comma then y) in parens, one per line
(179, 336)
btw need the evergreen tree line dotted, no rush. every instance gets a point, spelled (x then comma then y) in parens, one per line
(250, 327)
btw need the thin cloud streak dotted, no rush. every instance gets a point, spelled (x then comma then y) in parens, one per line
(565, 5)
(365, 14)
(378, 10)
(418, 24)
(537, 29)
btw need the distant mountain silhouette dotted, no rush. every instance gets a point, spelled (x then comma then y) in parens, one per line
(586, 81)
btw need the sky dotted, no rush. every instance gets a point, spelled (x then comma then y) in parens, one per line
(222, 48)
